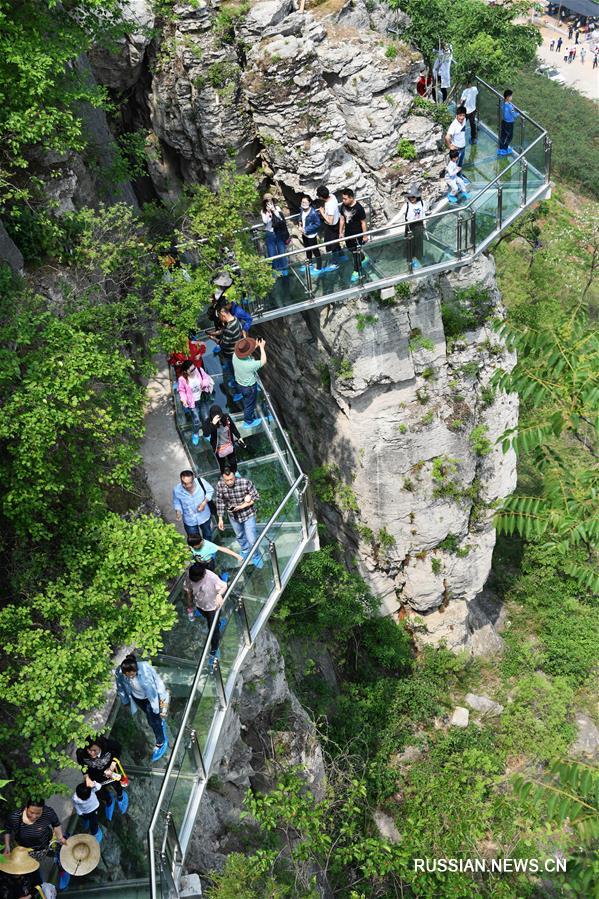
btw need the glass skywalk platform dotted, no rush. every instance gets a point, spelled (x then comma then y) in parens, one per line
(143, 851)
(501, 189)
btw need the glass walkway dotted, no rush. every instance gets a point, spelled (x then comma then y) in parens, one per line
(143, 851)
(501, 189)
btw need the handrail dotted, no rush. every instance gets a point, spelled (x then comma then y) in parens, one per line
(521, 111)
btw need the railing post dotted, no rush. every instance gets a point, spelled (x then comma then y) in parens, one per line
(499, 206)
(275, 563)
(243, 620)
(305, 509)
(459, 226)
(220, 687)
(522, 124)
(473, 231)
(547, 157)
(498, 118)
(410, 250)
(196, 754)
(524, 182)
(171, 855)
(309, 285)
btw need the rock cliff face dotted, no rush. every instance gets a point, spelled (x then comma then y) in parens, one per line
(405, 423)
(299, 98)
(267, 732)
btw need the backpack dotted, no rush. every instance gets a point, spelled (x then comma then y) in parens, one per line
(279, 226)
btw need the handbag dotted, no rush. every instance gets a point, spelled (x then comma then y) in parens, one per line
(206, 381)
(211, 503)
(279, 226)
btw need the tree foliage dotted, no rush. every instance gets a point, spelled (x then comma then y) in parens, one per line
(557, 378)
(569, 796)
(41, 81)
(487, 39)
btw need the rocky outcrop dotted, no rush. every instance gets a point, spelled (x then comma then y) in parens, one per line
(411, 426)
(300, 98)
(266, 731)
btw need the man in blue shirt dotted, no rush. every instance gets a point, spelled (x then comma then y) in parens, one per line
(508, 117)
(191, 501)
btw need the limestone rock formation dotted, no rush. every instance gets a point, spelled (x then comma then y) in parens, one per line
(266, 732)
(412, 426)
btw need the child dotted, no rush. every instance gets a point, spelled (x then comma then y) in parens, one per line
(86, 804)
(204, 550)
(509, 114)
(454, 182)
(414, 213)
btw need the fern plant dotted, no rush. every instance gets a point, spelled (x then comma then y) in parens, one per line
(557, 379)
(569, 796)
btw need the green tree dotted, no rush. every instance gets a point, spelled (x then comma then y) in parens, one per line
(41, 82)
(557, 378)
(486, 40)
(568, 794)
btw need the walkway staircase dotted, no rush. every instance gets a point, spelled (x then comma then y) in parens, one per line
(145, 850)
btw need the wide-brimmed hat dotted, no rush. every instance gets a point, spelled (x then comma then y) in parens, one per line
(245, 347)
(80, 854)
(19, 862)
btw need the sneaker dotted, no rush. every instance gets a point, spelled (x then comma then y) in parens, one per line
(315, 272)
(285, 272)
(123, 802)
(99, 835)
(355, 276)
(301, 268)
(464, 195)
(416, 264)
(251, 424)
(365, 260)
(502, 152)
(195, 439)
(225, 576)
(109, 809)
(510, 151)
(257, 561)
(197, 613)
(329, 268)
(191, 613)
(159, 751)
(452, 198)
(213, 660)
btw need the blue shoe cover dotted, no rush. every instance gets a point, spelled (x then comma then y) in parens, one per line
(109, 810)
(159, 751)
(123, 802)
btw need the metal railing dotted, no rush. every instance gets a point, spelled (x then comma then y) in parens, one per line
(249, 601)
(451, 237)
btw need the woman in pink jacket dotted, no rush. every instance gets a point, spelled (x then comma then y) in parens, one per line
(189, 397)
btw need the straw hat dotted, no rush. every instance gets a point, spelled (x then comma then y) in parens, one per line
(19, 862)
(80, 854)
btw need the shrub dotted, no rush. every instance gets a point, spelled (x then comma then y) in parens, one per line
(479, 441)
(419, 342)
(365, 319)
(406, 149)
(391, 51)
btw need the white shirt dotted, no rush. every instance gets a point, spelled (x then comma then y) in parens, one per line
(85, 806)
(451, 170)
(136, 688)
(469, 95)
(267, 218)
(457, 133)
(331, 208)
(414, 212)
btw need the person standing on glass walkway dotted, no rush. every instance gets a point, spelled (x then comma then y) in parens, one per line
(468, 101)
(330, 215)
(97, 761)
(140, 687)
(246, 370)
(205, 593)
(276, 234)
(456, 134)
(310, 224)
(353, 229)
(238, 497)
(224, 437)
(413, 215)
(191, 502)
(509, 114)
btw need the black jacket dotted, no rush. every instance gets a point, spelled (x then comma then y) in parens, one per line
(95, 768)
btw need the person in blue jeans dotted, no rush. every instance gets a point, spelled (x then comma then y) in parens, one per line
(140, 687)
(246, 370)
(238, 497)
(276, 233)
(191, 502)
(509, 114)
